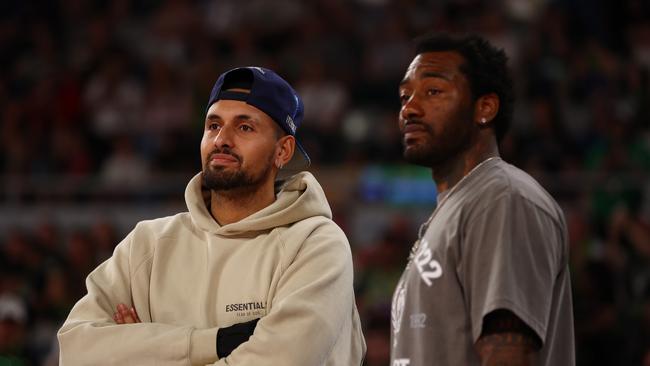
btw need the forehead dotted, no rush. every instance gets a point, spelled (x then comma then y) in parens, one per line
(444, 64)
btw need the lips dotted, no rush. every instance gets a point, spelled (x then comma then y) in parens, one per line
(412, 130)
(223, 159)
(414, 127)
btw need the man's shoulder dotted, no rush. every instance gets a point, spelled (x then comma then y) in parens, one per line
(504, 181)
(149, 235)
(314, 226)
(313, 232)
(164, 226)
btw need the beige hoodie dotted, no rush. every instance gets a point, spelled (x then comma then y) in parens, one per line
(288, 264)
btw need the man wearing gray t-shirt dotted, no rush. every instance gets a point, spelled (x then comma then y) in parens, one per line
(487, 281)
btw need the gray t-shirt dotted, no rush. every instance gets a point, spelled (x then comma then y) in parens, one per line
(497, 240)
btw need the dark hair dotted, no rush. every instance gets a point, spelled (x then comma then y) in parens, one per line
(486, 68)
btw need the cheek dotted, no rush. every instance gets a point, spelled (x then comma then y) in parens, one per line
(258, 154)
(205, 148)
(445, 116)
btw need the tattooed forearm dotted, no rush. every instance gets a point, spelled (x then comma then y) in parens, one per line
(506, 349)
(506, 341)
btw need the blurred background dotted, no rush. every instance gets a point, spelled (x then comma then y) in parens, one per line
(102, 105)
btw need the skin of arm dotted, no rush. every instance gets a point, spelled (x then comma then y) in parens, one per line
(507, 341)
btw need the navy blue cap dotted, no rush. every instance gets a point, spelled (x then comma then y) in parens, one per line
(268, 92)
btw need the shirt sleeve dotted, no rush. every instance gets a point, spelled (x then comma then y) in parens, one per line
(89, 336)
(311, 309)
(512, 255)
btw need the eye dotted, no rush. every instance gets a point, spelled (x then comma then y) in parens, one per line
(213, 126)
(246, 128)
(403, 98)
(433, 91)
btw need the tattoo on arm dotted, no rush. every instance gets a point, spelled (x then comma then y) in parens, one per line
(507, 341)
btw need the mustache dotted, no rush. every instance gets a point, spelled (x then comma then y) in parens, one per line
(414, 121)
(225, 151)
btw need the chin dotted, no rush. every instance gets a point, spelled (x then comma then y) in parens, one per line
(415, 156)
(422, 155)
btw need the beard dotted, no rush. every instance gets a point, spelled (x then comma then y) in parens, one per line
(222, 179)
(437, 149)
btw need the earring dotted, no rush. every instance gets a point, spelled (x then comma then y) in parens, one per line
(280, 165)
(483, 120)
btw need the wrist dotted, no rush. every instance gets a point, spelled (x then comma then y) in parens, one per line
(202, 343)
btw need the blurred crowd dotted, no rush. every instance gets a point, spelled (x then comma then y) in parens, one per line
(100, 101)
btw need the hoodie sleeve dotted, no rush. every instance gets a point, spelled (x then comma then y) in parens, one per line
(311, 309)
(89, 335)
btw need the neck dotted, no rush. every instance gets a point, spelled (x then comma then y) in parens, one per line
(450, 172)
(234, 205)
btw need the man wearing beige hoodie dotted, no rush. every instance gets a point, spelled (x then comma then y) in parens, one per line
(255, 273)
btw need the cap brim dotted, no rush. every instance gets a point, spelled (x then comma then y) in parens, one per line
(299, 161)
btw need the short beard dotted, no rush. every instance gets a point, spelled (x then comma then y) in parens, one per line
(423, 154)
(451, 143)
(219, 179)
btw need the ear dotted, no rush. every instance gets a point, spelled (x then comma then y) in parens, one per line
(486, 108)
(284, 150)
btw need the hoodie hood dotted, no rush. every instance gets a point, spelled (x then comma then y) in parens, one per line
(299, 197)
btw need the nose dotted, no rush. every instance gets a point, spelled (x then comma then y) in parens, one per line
(224, 137)
(411, 109)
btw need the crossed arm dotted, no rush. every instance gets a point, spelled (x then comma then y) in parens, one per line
(507, 341)
(228, 338)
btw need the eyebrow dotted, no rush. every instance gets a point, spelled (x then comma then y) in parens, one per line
(427, 74)
(212, 117)
(240, 117)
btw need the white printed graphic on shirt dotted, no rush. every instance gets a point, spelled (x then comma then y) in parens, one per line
(418, 320)
(397, 311)
(402, 362)
(429, 268)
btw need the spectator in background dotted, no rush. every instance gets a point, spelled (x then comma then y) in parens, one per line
(114, 98)
(104, 237)
(126, 167)
(13, 330)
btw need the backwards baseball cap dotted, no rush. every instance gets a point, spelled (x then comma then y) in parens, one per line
(268, 92)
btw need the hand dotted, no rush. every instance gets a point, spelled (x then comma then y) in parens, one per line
(125, 315)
